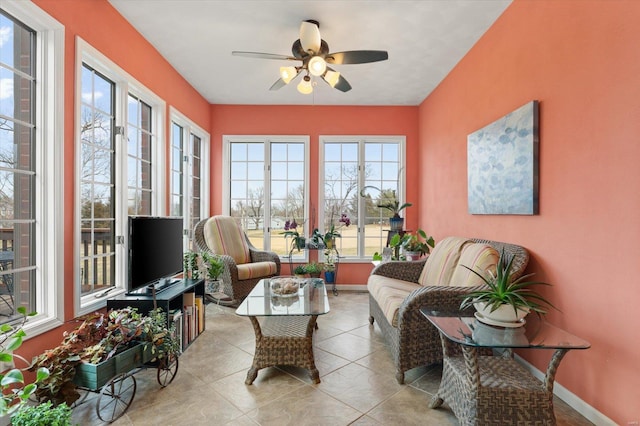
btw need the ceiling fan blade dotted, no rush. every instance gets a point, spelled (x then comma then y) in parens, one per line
(342, 84)
(310, 35)
(259, 55)
(280, 83)
(357, 57)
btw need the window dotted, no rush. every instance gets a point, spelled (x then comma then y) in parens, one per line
(267, 187)
(31, 140)
(189, 178)
(119, 157)
(347, 165)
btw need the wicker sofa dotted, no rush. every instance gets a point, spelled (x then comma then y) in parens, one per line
(397, 291)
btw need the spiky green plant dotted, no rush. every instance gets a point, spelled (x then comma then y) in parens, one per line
(504, 290)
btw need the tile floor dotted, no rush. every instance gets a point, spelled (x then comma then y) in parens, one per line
(358, 385)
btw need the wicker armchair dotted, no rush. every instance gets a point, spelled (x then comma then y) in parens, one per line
(245, 265)
(414, 342)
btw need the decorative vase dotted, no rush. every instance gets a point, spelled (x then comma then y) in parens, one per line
(212, 286)
(329, 277)
(330, 244)
(396, 223)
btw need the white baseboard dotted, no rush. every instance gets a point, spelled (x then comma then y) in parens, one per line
(349, 287)
(590, 413)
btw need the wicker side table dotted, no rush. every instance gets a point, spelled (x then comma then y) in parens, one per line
(496, 389)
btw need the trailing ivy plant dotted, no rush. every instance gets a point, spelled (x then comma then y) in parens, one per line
(14, 392)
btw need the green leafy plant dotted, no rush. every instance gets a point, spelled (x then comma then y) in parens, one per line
(313, 268)
(502, 289)
(395, 243)
(418, 242)
(190, 265)
(300, 270)
(43, 415)
(213, 265)
(377, 257)
(291, 230)
(12, 385)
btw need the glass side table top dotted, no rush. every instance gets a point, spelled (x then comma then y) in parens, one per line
(535, 333)
(310, 299)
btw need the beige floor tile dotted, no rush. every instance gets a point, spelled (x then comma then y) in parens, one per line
(410, 407)
(307, 407)
(349, 346)
(359, 387)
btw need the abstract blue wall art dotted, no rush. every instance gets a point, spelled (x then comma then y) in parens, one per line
(502, 164)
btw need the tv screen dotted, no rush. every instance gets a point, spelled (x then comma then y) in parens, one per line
(155, 250)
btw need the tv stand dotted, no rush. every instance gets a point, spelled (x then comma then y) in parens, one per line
(170, 299)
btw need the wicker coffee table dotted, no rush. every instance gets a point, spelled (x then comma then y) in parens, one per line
(496, 389)
(284, 325)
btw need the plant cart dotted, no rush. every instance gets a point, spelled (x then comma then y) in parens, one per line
(114, 379)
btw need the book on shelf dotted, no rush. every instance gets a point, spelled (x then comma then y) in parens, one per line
(200, 309)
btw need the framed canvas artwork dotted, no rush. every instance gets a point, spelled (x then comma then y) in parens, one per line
(502, 164)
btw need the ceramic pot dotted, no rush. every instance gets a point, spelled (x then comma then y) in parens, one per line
(412, 255)
(396, 223)
(329, 277)
(504, 313)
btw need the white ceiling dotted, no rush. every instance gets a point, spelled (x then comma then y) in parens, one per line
(425, 40)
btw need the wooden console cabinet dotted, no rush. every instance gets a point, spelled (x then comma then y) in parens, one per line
(176, 298)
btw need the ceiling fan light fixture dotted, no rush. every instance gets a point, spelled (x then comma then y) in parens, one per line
(288, 73)
(305, 86)
(331, 77)
(317, 66)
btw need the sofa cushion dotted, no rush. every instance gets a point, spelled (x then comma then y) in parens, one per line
(479, 257)
(247, 271)
(442, 261)
(389, 293)
(224, 236)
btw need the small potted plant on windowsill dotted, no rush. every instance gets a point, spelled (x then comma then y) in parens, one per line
(505, 300)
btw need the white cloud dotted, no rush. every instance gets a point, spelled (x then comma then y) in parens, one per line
(6, 88)
(86, 96)
(5, 35)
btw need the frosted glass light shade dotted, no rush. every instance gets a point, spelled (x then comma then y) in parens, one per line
(310, 36)
(317, 66)
(288, 73)
(305, 86)
(332, 78)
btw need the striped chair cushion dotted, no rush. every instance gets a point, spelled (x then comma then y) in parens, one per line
(389, 293)
(480, 258)
(440, 264)
(248, 271)
(224, 236)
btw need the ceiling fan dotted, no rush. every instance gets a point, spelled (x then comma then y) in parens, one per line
(315, 57)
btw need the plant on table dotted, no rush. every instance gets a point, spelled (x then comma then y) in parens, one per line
(298, 241)
(300, 270)
(314, 269)
(190, 266)
(502, 290)
(327, 239)
(418, 242)
(12, 384)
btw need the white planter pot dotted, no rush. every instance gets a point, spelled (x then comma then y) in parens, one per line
(504, 313)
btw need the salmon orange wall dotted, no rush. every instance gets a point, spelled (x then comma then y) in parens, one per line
(315, 121)
(581, 61)
(106, 30)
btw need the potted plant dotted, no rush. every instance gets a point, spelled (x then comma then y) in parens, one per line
(190, 268)
(417, 245)
(505, 300)
(314, 269)
(300, 271)
(214, 267)
(298, 241)
(388, 200)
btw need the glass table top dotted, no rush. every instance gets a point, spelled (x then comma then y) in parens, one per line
(535, 333)
(310, 299)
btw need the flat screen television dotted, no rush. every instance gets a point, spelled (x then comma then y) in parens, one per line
(155, 252)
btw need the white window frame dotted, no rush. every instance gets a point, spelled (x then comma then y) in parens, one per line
(190, 128)
(361, 141)
(227, 140)
(125, 84)
(49, 156)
